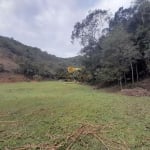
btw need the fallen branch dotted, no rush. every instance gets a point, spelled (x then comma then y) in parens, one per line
(95, 131)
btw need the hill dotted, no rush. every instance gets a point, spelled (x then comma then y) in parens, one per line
(17, 58)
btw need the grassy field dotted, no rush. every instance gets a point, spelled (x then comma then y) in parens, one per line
(46, 113)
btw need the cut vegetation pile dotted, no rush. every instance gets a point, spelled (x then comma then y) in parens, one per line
(139, 92)
(79, 136)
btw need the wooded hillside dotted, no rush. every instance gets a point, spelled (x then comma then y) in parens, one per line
(18, 58)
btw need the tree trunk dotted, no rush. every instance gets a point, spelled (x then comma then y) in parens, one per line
(132, 73)
(120, 81)
(125, 79)
(137, 74)
(143, 21)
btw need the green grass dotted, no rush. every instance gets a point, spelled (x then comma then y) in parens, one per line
(30, 112)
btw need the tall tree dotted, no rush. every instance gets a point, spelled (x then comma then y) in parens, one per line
(91, 28)
(120, 52)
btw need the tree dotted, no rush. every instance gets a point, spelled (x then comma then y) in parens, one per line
(91, 28)
(88, 32)
(120, 53)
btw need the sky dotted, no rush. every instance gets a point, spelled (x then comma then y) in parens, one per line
(47, 24)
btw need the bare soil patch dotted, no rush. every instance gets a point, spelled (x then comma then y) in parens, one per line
(10, 77)
(9, 64)
(139, 92)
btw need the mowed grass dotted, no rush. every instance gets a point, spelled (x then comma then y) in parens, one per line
(46, 112)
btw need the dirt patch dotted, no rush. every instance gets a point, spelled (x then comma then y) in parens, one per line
(10, 77)
(145, 84)
(139, 92)
(9, 64)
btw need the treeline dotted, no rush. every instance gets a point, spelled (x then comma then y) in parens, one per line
(116, 50)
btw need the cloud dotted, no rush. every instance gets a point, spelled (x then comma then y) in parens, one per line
(112, 5)
(48, 24)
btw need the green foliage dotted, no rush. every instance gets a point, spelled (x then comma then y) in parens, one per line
(122, 50)
(89, 29)
(62, 74)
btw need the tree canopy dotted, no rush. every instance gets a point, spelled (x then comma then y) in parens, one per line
(116, 49)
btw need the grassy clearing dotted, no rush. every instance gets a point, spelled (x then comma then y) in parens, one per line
(46, 112)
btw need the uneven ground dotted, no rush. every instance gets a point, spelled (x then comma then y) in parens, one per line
(10, 77)
(8, 63)
(58, 115)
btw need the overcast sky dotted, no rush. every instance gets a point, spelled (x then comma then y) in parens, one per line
(48, 24)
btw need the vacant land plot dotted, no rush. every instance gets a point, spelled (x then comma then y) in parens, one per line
(58, 115)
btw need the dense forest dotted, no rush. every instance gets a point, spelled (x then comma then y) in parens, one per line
(116, 49)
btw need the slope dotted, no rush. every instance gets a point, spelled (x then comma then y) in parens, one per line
(18, 58)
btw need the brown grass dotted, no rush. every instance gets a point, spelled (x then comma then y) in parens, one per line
(95, 131)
